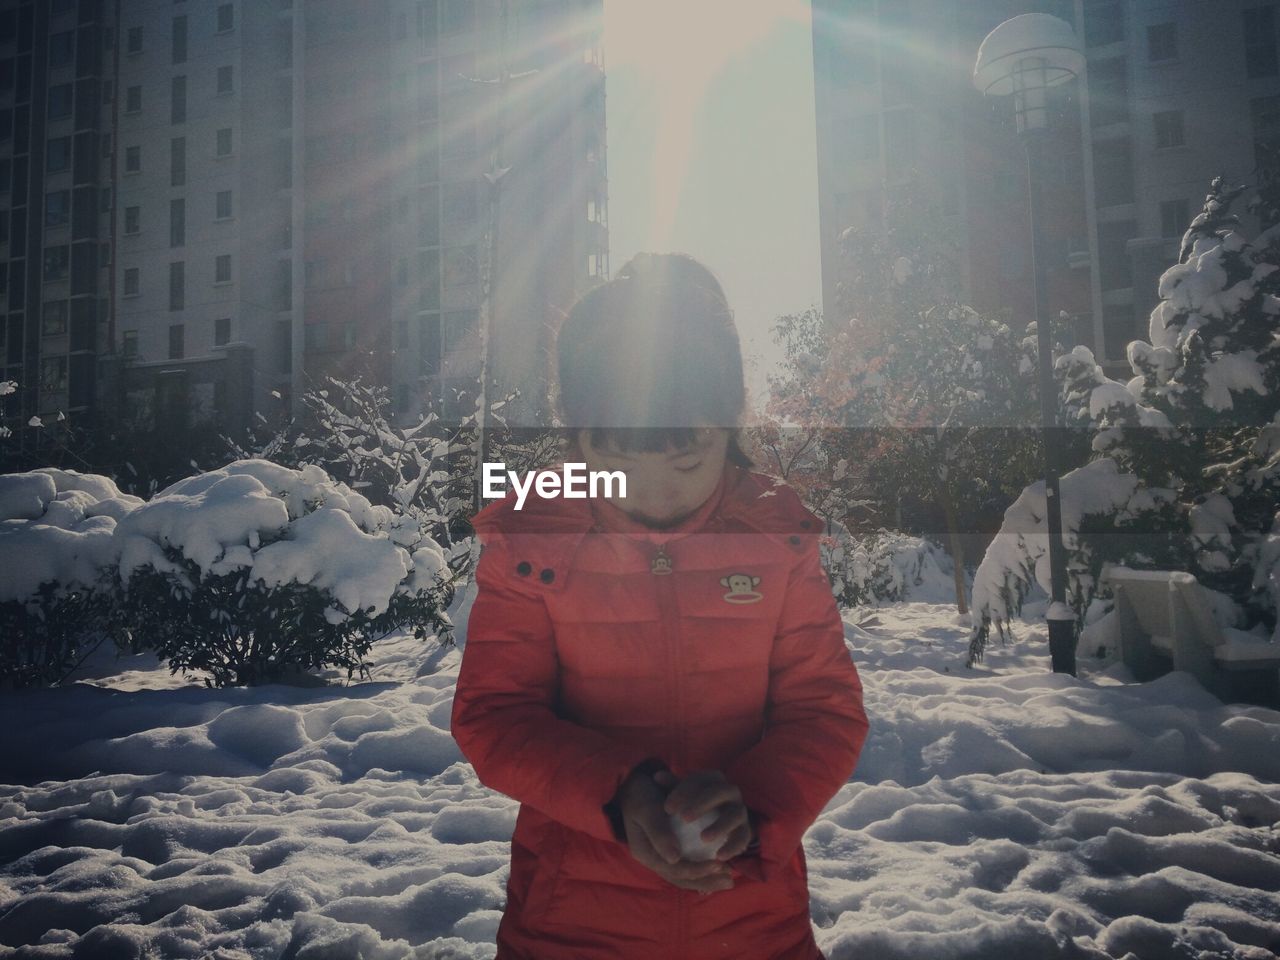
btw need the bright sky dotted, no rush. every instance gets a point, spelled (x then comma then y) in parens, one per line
(711, 151)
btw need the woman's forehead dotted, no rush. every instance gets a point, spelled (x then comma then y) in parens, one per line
(703, 438)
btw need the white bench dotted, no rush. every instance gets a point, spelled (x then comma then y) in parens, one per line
(1165, 622)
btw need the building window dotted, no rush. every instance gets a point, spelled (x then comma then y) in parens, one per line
(133, 99)
(57, 208)
(1264, 115)
(428, 28)
(133, 40)
(60, 100)
(133, 159)
(428, 91)
(313, 274)
(104, 253)
(221, 331)
(1260, 42)
(177, 285)
(226, 17)
(1118, 330)
(178, 100)
(54, 320)
(106, 144)
(1168, 128)
(429, 280)
(222, 268)
(1115, 271)
(224, 79)
(177, 222)
(177, 161)
(132, 282)
(57, 262)
(1113, 171)
(222, 205)
(57, 154)
(179, 53)
(1103, 22)
(460, 202)
(175, 341)
(108, 91)
(456, 327)
(1162, 42)
(62, 49)
(429, 343)
(132, 220)
(129, 343)
(1108, 91)
(53, 374)
(458, 16)
(1175, 217)
(899, 140)
(460, 268)
(224, 142)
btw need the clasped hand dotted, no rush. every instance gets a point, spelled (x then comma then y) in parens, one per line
(646, 808)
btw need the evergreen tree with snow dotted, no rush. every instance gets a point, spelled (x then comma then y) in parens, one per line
(1185, 469)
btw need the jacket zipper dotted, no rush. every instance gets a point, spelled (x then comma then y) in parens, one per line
(674, 669)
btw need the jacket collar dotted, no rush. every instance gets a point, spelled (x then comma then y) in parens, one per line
(548, 531)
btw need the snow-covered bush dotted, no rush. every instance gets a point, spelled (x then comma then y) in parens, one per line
(255, 571)
(1185, 470)
(56, 562)
(886, 567)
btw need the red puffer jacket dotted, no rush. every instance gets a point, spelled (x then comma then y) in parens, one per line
(581, 661)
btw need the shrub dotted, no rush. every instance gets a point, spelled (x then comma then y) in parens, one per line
(57, 602)
(254, 571)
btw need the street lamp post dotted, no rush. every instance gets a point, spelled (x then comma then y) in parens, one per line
(1024, 57)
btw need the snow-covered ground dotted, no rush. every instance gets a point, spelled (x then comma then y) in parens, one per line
(1003, 811)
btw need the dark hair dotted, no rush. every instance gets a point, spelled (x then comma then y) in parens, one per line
(646, 357)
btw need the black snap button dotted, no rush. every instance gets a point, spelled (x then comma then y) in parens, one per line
(547, 575)
(806, 524)
(794, 538)
(524, 568)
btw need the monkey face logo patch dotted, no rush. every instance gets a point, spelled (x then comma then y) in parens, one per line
(741, 588)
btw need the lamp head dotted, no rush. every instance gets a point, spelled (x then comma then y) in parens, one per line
(1024, 56)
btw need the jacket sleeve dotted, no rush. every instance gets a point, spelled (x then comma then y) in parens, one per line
(815, 724)
(504, 708)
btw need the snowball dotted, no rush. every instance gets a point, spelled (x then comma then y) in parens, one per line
(692, 846)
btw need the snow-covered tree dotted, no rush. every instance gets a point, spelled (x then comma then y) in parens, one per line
(926, 392)
(1186, 456)
(421, 469)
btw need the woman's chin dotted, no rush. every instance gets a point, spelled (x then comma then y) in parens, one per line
(659, 524)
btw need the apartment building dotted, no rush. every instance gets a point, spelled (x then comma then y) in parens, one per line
(232, 200)
(1188, 91)
(1174, 92)
(55, 204)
